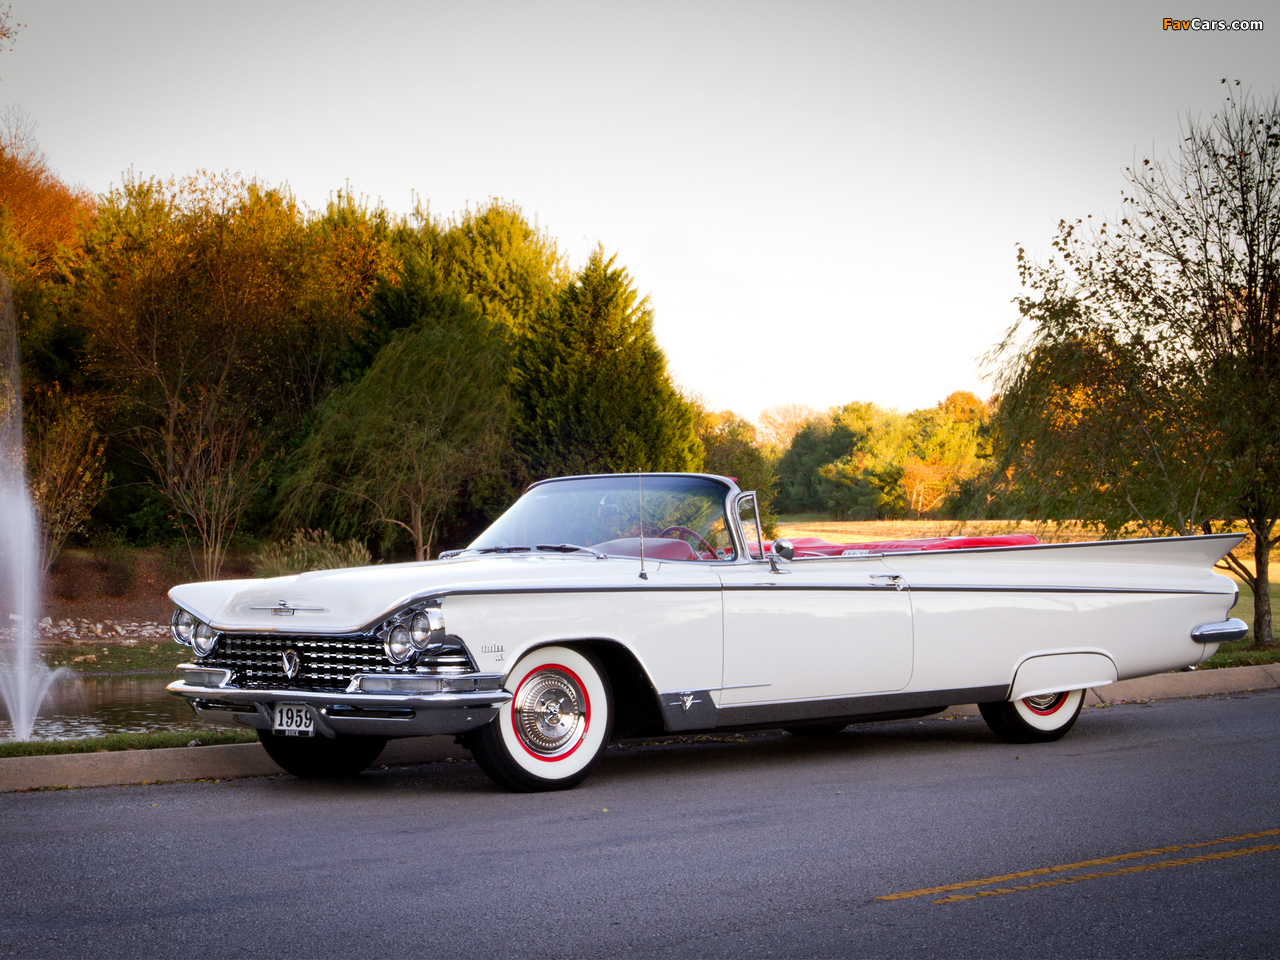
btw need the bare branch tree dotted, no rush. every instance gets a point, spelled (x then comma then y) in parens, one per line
(1143, 382)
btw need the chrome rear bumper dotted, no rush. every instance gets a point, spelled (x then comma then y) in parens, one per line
(352, 711)
(1223, 631)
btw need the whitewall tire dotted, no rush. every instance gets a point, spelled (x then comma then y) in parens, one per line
(556, 726)
(1034, 719)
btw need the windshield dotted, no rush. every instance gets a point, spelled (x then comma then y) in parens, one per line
(680, 518)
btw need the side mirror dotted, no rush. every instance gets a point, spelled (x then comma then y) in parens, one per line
(781, 550)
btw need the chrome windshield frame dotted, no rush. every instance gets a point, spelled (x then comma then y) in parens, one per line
(731, 494)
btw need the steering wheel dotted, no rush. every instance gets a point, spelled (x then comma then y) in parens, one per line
(693, 533)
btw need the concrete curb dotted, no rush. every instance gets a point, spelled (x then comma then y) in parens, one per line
(227, 762)
(1169, 686)
(250, 760)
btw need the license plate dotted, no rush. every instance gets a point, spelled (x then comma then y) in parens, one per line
(292, 720)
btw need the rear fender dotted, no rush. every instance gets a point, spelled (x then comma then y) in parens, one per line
(1056, 672)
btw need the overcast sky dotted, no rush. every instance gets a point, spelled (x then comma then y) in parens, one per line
(823, 200)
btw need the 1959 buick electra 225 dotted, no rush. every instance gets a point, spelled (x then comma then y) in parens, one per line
(604, 607)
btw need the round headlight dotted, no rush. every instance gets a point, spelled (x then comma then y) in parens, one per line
(427, 628)
(203, 640)
(420, 630)
(183, 626)
(399, 644)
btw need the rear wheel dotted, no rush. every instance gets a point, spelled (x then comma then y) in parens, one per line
(1034, 719)
(556, 726)
(318, 757)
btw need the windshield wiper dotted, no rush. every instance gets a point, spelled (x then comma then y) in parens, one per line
(556, 547)
(570, 548)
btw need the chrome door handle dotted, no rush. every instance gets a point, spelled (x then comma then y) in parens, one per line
(894, 580)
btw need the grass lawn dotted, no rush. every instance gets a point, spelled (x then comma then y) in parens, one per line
(1244, 653)
(115, 659)
(125, 741)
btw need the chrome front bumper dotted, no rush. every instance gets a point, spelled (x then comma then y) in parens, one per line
(352, 711)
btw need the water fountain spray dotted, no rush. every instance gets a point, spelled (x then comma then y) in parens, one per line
(25, 681)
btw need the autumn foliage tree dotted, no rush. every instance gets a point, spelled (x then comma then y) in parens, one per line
(731, 448)
(201, 296)
(1143, 382)
(41, 219)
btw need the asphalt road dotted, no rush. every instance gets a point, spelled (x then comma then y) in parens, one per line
(762, 845)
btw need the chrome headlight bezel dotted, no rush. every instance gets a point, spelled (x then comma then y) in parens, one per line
(204, 639)
(398, 644)
(427, 627)
(182, 625)
(420, 626)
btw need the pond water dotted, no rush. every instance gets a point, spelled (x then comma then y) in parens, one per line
(97, 706)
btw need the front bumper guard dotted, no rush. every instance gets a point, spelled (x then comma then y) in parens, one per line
(351, 711)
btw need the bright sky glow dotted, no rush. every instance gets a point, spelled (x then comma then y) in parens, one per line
(822, 199)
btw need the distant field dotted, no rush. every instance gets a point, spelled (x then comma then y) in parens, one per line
(861, 531)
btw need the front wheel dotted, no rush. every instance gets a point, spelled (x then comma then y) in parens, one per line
(1034, 719)
(556, 726)
(318, 757)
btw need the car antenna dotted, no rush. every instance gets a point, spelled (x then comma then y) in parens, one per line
(640, 484)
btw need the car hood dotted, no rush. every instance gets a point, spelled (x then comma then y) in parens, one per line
(352, 600)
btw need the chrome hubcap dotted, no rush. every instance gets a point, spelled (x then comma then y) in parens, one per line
(1044, 703)
(549, 711)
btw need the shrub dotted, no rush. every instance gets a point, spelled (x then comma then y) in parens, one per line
(310, 550)
(176, 565)
(68, 577)
(117, 563)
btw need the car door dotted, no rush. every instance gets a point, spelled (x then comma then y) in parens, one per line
(810, 629)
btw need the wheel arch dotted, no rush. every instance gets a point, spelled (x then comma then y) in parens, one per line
(635, 699)
(1040, 674)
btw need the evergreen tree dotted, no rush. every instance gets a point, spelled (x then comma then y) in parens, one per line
(397, 448)
(510, 270)
(590, 385)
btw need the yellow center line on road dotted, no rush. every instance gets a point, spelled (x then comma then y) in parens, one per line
(1100, 861)
(1159, 865)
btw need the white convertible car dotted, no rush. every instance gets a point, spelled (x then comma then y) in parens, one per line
(604, 607)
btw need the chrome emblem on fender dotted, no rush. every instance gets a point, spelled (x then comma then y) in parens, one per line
(282, 608)
(686, 701)
(290, 663)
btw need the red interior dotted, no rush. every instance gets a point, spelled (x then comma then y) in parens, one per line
(657, 548)
(816, 547)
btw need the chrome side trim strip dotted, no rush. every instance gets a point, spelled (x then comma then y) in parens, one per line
(854, 707)
(822, 588)
(690, 710)
(1011, 589)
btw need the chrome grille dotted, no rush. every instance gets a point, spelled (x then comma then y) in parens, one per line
(326, 663)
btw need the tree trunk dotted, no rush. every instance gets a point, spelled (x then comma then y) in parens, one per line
(1262, 586)
(415, 519)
